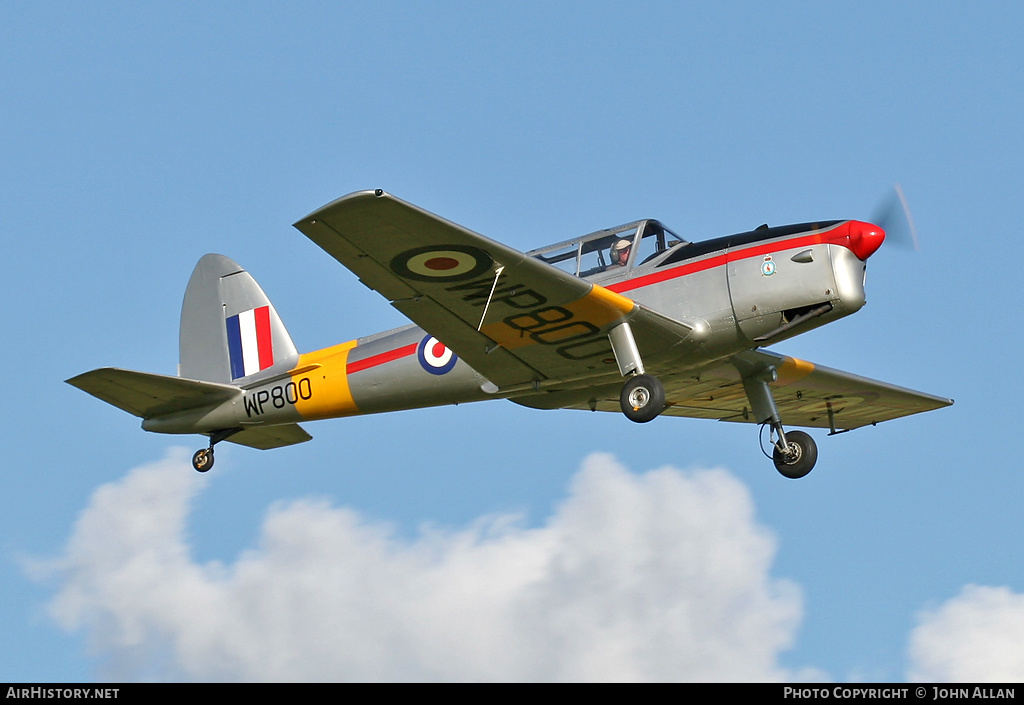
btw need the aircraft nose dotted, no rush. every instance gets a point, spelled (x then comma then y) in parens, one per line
(865, 238)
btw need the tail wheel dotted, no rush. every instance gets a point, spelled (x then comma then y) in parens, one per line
(642, 398)
(799, 457)
(203, 459)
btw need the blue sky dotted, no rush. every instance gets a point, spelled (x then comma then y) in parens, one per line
(138, 137)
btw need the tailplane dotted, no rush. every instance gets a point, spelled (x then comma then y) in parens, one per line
(230, 332)
(230, 337)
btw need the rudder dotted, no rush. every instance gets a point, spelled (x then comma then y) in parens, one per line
(229, 329)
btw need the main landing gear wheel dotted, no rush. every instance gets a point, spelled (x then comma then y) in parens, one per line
(203, 459)
(799, 457)
(642, 398)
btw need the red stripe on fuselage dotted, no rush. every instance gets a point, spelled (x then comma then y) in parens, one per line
(380, 358)
(758, 250)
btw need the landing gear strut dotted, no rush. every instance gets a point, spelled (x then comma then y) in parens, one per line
(202, 459)
(794, 453)
(643, 395)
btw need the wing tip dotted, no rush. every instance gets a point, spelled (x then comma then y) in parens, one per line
(355, 196)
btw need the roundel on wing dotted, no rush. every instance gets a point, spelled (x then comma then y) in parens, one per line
(434, 356)
(441, 263)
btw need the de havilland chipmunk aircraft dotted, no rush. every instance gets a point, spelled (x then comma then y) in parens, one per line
(632, 319)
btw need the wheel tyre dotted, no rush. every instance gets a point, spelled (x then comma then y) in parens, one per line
(642, 398)
(801, 459)
(203, 459)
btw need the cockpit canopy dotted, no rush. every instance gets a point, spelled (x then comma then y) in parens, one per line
(591, 256)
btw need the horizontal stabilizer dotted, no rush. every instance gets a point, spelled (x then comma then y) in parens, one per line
(267, 437)
(148, 395)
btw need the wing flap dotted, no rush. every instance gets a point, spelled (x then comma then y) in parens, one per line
(146, 395)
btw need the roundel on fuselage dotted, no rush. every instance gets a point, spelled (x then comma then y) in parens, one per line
(434, 356)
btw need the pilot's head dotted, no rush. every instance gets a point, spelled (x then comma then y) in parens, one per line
(620, 252)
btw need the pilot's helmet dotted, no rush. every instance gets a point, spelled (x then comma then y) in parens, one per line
(620, 251)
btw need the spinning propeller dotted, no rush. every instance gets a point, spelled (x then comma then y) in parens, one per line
(892, 214)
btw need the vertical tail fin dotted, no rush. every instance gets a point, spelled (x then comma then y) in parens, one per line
(229, 329)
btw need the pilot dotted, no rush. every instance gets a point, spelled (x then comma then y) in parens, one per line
(619, 254)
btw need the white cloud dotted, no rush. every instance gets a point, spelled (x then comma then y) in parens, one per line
(664, 575)
(978, 636)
